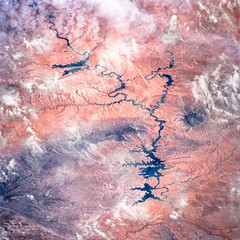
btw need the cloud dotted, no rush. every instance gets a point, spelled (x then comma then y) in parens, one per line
(119, 53)
(40, 44)
(122, 14)
(219, 92)
(171, 34)
(10, 98)
(174, 215)
(116, 10)
(3, 141)
(125, 210)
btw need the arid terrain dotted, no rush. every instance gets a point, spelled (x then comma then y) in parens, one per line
(120, 119)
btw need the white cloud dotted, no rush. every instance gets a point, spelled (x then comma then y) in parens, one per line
(64, 173)
(174, 215)
(3, 141)
(127, 211)
(171, 34)
(79, 237)
(17, 55)
(219, 92)
(110, 223)
(117, 10)
(183, 202)
(40, 44)
(98, 231)
(119, 53)
(123, 13)
(31, 197)
(11, 98)
(11, 164)
(33, 144)
(233, 4)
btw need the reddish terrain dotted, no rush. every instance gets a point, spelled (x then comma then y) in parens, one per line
(120, 120)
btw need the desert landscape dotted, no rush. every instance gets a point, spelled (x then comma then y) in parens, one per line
(120, 120)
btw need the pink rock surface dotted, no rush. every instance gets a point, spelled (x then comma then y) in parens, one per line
(119, 120)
